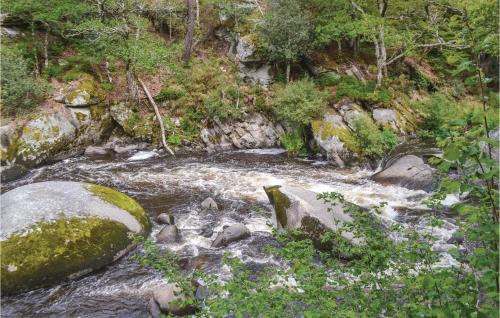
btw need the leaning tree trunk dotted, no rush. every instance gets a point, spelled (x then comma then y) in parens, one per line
(188, 40)
(158, 116)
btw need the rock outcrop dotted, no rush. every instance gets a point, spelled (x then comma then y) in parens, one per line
(253, 131)
(51, 134)
(53, 231)
(408, 171)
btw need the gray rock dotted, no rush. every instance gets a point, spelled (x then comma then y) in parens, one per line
(297, 208)
(96, 151)
(327, 135)
(408, 171)
(165, 218)
(244, 49)
(43, 137)
(494, 134)
(207, 231)
(209, 204)
(201, 292)
(253, 131)
(384, 115)
(256, 74)
(170, 303)
(231, 234)
(154, 308)
(169, 234)
(69, 228)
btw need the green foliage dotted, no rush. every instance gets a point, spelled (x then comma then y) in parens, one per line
(328, 79)
(174, 140)
(20, 92)
(171, 92)
(299, 103)
(370, 141)
(225, 104)
(286, 31)
(293, 143)
(367, 93)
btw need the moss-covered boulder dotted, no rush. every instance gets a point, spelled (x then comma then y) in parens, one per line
(334, 138)
(44, 136)
(297, 208)
(82, 93)
(54, 231)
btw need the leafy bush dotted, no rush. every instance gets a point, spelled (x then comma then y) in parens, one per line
(367, 93)
(328, 79)
(370, 140)
(293, 143)
(443, 115)
(299, 103)
(20, 91)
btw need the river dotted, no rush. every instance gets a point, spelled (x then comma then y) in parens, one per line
(178, 185)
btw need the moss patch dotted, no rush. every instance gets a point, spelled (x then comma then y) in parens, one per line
(123, 202)
(52, 252)
(280, 202)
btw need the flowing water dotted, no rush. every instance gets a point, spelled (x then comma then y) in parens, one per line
(178, 186)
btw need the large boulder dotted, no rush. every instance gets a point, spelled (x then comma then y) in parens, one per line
(57, 230)
(245, 49)
(48, 136)
(408, 171)
(45, 136)
(297, 208)
(231, 234)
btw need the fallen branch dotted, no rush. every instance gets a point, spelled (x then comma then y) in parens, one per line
(158, 116)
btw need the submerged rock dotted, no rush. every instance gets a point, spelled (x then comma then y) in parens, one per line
(408, 171)
(56, 230)
(297, 208)
(172, 301)
(165, 218)
(209, 204)
(168, 234)
(231, 234)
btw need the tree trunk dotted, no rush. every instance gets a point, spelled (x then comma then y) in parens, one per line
(46, 48)
(288, 72)
(380, 63)
(170, 26)
(35, 52)
(131, 82)
(158, 116)
(188, 40)
(198, 11)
